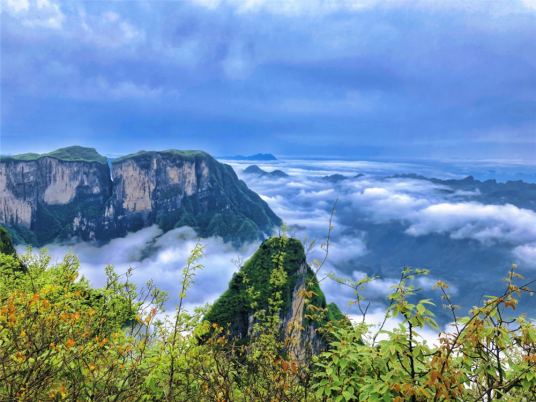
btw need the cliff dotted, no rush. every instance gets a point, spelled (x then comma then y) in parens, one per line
(42, 194)
(70, 193)
(186, 188)
(234, 307)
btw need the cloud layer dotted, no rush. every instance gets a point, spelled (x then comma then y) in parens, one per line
(381, 224)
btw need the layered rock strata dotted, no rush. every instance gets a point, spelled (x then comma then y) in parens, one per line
(58, 196)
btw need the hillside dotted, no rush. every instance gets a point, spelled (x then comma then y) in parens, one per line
(234, 307)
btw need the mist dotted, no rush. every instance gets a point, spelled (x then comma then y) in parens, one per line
(381, 225)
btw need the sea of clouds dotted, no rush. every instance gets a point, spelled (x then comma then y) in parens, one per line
(305, 200)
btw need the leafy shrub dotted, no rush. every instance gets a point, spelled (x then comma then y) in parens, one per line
(62, 339)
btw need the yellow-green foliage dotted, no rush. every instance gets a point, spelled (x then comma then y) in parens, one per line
(61, 339)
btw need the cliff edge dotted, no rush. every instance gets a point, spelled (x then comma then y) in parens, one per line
(70, 194)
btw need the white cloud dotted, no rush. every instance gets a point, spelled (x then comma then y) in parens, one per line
(18, 5)
(108, 30)
(110, 16)
(486, 223)
(527, 254)
(530, 4)
(298, 7)
(424, 207)
(36, 13)
(163, 263)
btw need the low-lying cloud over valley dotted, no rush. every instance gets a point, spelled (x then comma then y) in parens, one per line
(381, 224)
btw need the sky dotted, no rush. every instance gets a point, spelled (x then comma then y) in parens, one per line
(318, 78)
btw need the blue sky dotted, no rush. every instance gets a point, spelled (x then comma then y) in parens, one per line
(337, 78)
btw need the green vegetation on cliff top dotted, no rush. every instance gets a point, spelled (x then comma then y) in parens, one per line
(184, 154)
(234, 305)
(69, 154)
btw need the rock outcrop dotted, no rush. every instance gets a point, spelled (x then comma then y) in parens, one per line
(186, 188)
(70, 193)
(235, 309)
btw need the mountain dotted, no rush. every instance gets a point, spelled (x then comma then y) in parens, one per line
(518, 193)
(43, 195)
(70, 193)
(256, 157)
(335, 178)
(254, 169)
(233, 309)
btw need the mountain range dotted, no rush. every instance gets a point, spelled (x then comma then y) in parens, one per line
(70, 194)
(254, 169)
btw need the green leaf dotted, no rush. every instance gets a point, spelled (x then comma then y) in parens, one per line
(526, 384)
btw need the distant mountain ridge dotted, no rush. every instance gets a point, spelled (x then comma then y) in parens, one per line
(256, 157)
(518, 192)
(70, 194)
(254, 169)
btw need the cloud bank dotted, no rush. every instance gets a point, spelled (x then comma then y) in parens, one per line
(381, 224)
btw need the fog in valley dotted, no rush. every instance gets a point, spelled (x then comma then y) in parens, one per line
(381, 225)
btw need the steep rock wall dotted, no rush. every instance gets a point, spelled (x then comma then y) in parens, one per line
(186, 188)
(69, 194)
(41, 197)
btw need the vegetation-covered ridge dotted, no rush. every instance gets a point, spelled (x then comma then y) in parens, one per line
(6, 244)
(235, 305)
(74, 153)
(188, 155)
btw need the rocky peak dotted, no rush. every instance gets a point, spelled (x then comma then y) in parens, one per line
(235, 309)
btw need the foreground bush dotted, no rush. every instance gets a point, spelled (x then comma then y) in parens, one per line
(62, 339)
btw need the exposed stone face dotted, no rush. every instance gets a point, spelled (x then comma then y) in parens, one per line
(292, 323)
(25, 186)
(152, 187)
(60, 200)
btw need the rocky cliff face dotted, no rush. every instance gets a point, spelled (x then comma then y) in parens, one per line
(69, 194)
(41, 195)
(185, 188)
